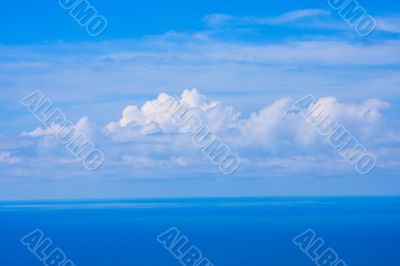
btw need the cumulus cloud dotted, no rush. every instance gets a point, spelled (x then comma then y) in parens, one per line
(275, 137)
(151, 117)
(148, 119)
(272, 126)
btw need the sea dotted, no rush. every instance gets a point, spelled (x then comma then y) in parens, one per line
(362, 231)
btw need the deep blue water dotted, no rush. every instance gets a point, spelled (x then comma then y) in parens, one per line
(229, 232)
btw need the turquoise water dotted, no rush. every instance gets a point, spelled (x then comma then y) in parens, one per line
(229, 232)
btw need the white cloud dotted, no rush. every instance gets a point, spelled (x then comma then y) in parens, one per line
(272, 126)
(271, 137)
(83, 126)
(38, 132)
(152, 118)
(144, 144)
(367, 112)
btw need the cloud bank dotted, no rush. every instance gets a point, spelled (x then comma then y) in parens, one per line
(144, 142)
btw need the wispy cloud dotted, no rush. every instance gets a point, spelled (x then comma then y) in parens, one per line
(130, 66)
(291, 16)
(295, 16)
(304, 18)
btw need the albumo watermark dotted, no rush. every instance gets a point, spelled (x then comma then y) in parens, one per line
(337, 135)
(355, 15)
(66, 133)
(178, 245)
(45, 250)
(86, 15)
(314, 247)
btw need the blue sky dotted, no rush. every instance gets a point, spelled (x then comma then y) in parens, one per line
(248, 60)
(34, 22)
